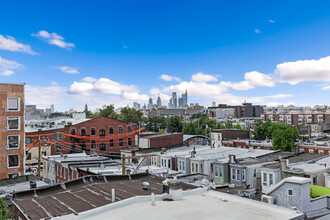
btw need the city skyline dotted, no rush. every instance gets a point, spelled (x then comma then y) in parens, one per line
(222, 52)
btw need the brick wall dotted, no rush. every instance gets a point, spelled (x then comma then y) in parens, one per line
(166, 141)
(74, 145)
(11, 91)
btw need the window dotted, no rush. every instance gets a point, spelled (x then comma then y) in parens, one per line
(264, 182)
(129, 142)
(120, 130)
(58, 148)
(169, 163)
(290, 192)
(201, 170)
(271, 179)
(121, 142)
(180, 165)
(238, 176)
(12, 104)
(243, 175)
(233, 174)
(111, 143)
(183, 165)
(28, 155)
(192, 167)
(13, 160)
(129, 129)
(73, 131)
(255, 173)
(28, 140)
(311, 151)
(220, 171)
(57, 136)
(216, 172)
(196, 167)
(83, 132)
(102, 147)
(93, 146)
(12, 123)
(93, 131)
(13, 141)
(102, 132)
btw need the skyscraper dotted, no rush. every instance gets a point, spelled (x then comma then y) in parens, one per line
(52, 109)
(174, 100)
(185, 100)
(180, 102)
(159, 102)
(150, 101)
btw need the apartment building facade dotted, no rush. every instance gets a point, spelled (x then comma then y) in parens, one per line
(12, 139)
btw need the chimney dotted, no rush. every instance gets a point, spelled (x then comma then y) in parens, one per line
(163, 150)
(193, 153)
(175, 189)
(284, 166)
(33, 184)
(232, 158)
(102, 165)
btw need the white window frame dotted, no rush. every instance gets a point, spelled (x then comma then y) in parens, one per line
(291, 191)
(19, 105)
(238, 175)
(220, 172)
(8, 161)
(269, 183)
(233, 173)
(19, 123)
(19, 141)
(243, 175)
(264, 182)
(193, 167)
(216, 174)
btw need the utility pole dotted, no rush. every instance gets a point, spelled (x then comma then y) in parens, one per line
(39, 158)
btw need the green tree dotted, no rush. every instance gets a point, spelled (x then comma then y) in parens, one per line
(156, 123)
(285, 139)
(261, 130)
(238, 126)
(108, 112)
(229, 124)
(130, 115)
(4, 212)
(174, 124)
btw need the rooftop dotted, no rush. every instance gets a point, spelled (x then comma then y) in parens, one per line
(87, 193)
(196, 204)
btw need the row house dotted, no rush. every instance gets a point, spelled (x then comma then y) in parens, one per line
(296, 119)
(110, 135)
(12, 139)
(266, 145)
(57, 168)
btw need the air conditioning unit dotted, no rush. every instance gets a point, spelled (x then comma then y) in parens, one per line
(268, 199)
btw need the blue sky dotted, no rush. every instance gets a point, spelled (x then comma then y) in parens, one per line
(103, 52)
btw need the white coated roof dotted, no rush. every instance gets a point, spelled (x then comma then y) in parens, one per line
(194, 205)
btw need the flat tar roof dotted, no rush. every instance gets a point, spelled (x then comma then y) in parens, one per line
(84, 194)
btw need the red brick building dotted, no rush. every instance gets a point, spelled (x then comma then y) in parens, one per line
(161, 140)
(101, 135)
(12, 147)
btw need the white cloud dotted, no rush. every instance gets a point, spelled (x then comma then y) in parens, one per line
(54, 83)
(102, 85)
(54, 39)
(303, 70)
(7, 67)
(271, 21)
(169, 78)
(89, 79)
(81, 88)
(10, 43)
(45, 95)
(257, 31)
(326, 88)
(201, 77)
(252, 80)
(7, 73)
(67, 69)
(135, 96)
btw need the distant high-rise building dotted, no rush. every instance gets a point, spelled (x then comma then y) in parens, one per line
(170, 104)
(174, 100)
(180, 102)
(214, 104)
(137, 106)
(52, 109)
(159, 102)
(150, 101)
(185, 100)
